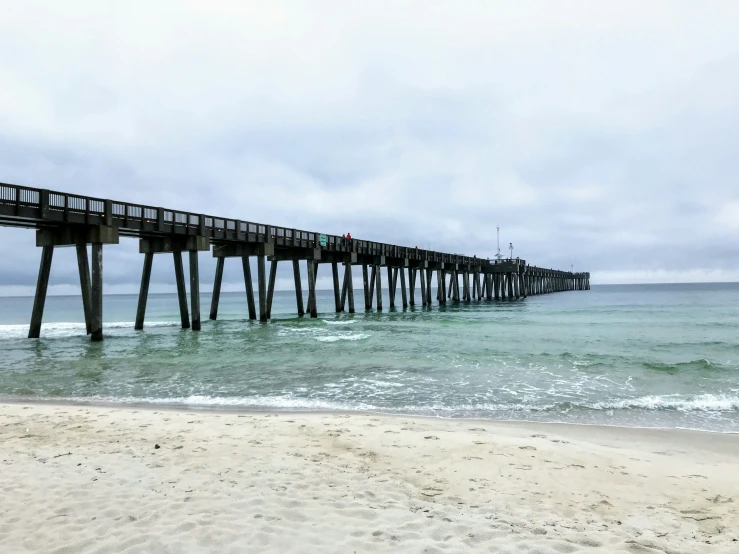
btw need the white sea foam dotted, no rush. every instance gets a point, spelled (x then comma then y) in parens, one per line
(701, 402)
(347, 336)
(266, 402)
(69, 329)
(339, 322)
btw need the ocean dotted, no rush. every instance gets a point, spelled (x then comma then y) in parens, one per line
(631, 355)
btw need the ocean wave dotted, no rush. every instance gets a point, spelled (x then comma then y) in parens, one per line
(339, 322)
(70, 329)
(700, 365)
(347, 336)
(698, 403)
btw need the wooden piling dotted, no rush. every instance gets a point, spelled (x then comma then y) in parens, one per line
(96, 292)
(344, 291)
(144, 290)
(391, 286)
(424, 295)
(373, 279)
(262, 285)
(429, 273)
(312, 308)
(298, 287)
(195, 290)
(378, 285)
(335, 273)
(510, 286)
(271, 287)
(349, 286)
(312, 267)
(403, 293)
(84, 270)
(42, 284)
(181, 289)
(412, 271)
(365, 282)
(217, 288)
(249, 287)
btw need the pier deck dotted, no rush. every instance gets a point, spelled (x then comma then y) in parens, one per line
(62, 219)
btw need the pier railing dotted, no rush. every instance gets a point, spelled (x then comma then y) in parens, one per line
(32, 207)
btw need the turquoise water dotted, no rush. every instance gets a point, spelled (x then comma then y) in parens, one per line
(662, 355)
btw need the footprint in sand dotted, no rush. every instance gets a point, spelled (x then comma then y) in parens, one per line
(432, 438)
(527, 447)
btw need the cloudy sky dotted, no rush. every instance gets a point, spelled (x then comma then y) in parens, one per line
(599, 134)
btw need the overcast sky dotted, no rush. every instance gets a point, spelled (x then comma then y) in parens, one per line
(599, 134)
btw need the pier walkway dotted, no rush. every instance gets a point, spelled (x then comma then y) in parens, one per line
(71, 220)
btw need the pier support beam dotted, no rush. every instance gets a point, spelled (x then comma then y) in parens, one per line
(84, 270)
(373, 279)
(335, 273)
(262, 284)
(143, 291)
(510, 286)
(429, 274)
(79, 237)
(42, 284)
(403, 293)
(391, 284)
(217, 288)
(312, 289)
(344, 292)
(195, 290)
(179, 275)
(246, 266)
(349, 286)
(271, 287)
(96, 293)
(378, 285)
(365, 282)
(424, 297)
(298, 287)
(412, 272)
(174, 245)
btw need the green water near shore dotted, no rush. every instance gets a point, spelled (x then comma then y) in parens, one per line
(662, 355)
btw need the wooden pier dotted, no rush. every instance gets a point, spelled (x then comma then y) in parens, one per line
(62, 219)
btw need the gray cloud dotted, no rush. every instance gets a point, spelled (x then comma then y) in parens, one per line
(596, 134)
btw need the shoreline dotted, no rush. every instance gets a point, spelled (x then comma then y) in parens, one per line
(304, 411)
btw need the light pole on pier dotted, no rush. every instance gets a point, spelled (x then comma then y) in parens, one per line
(511, 247)
(498, 255)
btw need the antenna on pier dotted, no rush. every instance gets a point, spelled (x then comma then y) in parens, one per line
(511, 248)
(498, 255)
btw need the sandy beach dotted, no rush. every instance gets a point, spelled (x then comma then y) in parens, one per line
(99, 479)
